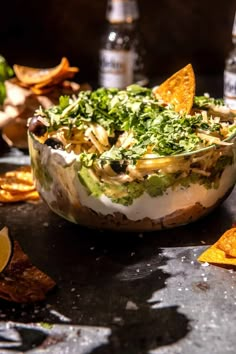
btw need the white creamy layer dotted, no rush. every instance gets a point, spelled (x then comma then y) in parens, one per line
(145, 206)
(160, 206)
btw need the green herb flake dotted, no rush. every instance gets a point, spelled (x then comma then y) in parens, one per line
(5, 73)
(46, 325)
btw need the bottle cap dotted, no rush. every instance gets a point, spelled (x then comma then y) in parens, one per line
(122, 11)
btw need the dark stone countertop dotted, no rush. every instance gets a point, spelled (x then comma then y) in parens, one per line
(120, 292)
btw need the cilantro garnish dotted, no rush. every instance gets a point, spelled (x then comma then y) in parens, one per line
(207, 102)
(134, 110)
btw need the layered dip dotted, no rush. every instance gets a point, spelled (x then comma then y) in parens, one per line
(131, 160)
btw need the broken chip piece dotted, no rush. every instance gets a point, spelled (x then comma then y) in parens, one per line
(178, 90)
(6, 248)
(223, 251)
(17, 185)
(21, 281)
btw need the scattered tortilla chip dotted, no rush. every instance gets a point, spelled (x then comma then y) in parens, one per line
(12, 184)
(21, 281)
(42, 81)
(55, 80)
(46, 86)
(8, 197)
(17, 185)
(178, 90)
(223, 251)
(217, 256)
(23, 172)
(32, 76)
(227, 242)
(41, 91)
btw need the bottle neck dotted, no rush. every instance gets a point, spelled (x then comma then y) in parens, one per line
(122, 11)
(234, 30)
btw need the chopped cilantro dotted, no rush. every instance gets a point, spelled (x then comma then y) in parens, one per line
(207, 102)
(134, 110)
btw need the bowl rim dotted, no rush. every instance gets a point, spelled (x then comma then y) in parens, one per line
(184, 154)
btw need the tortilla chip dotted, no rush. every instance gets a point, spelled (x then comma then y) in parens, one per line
(13, 184)
(8, 197)
(54, 80)
(223, 251)
(41, 91)
(178, 90)
(21, 281)
(17, 185)
(42, 81)
(217, 256)
(22, 172)
(227, 242)
(31, 76)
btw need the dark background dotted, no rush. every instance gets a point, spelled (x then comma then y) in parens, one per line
(176, 32)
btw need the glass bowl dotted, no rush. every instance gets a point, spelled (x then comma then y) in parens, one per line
(151, 194)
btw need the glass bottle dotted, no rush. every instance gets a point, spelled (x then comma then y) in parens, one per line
(121, 57)
(230, 73)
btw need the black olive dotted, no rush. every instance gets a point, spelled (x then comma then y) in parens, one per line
(54, 143)
(37, 127)
(118, 166)
(113, 139)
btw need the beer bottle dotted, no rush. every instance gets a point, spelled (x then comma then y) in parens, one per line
(230, 74)
(121, 57)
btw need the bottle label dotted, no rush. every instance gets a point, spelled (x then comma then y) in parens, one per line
(122, 11)
(230, 89)
(116, 68)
